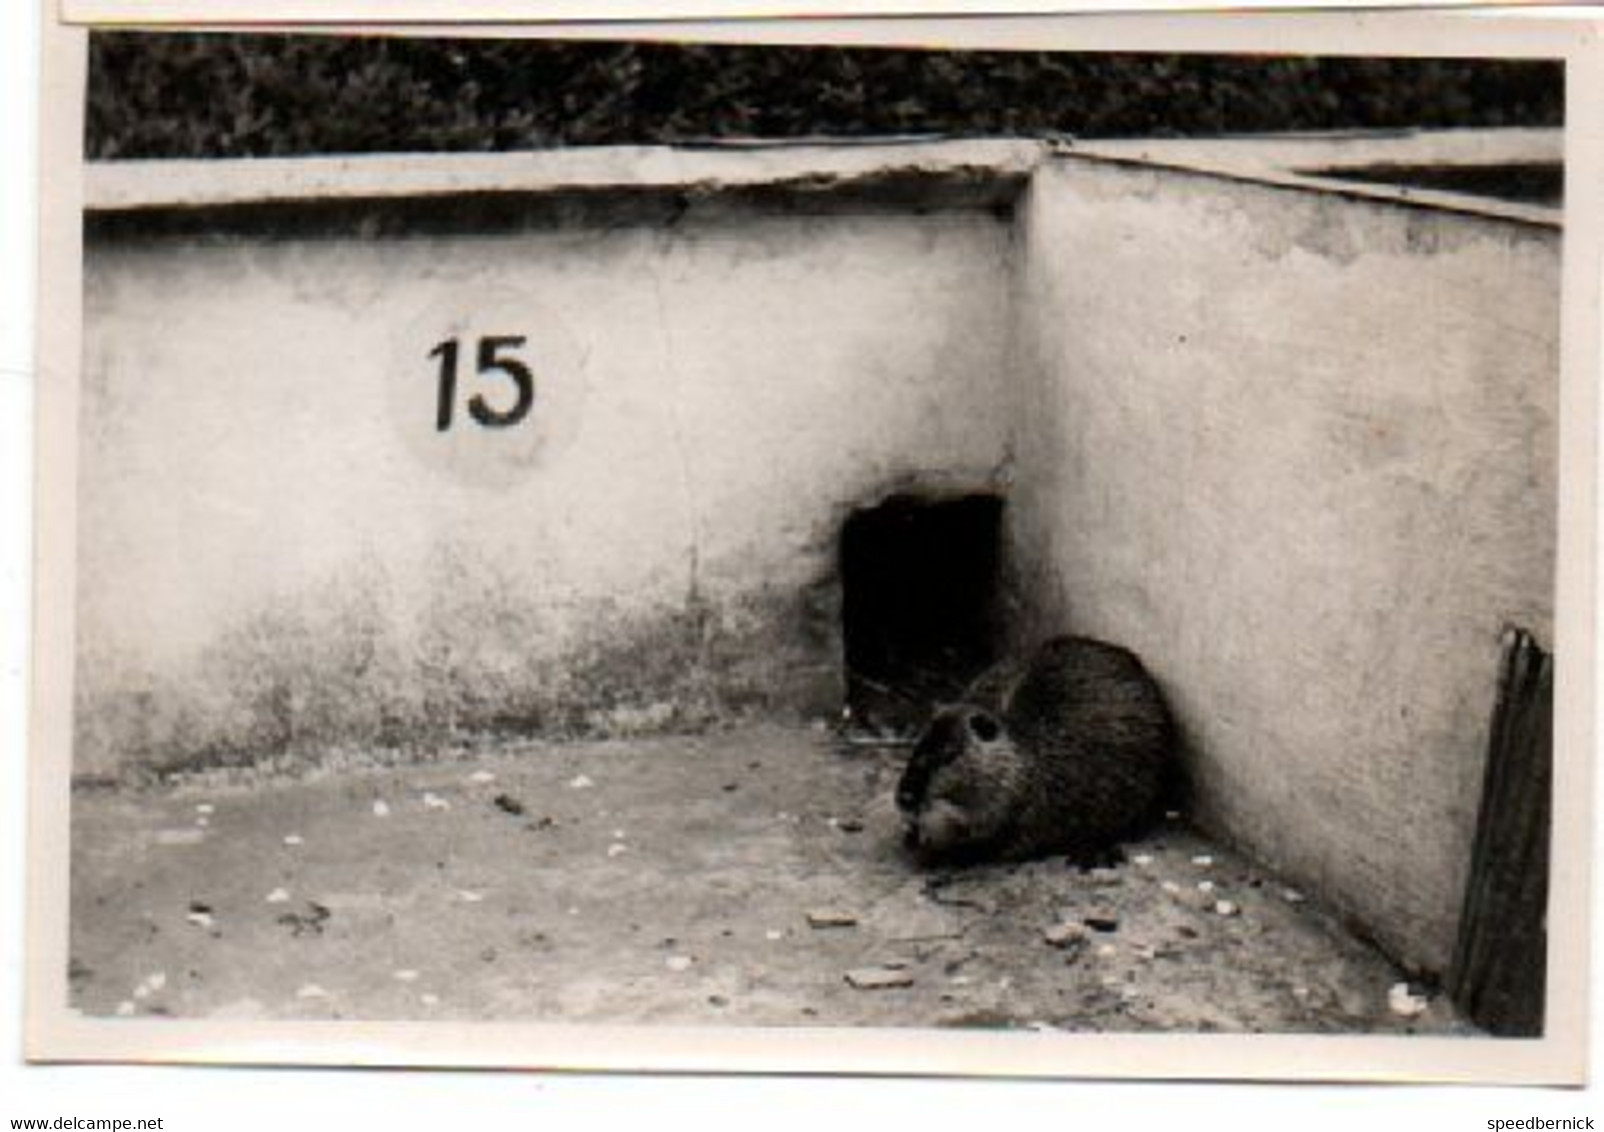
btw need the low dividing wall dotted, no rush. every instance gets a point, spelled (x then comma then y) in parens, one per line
(1292, 440)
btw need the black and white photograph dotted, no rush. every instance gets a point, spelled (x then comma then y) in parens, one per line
(820, 539)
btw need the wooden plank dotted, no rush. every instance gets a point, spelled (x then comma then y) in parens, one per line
(1499, 972)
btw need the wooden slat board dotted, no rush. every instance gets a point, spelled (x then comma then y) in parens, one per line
(1499, 970)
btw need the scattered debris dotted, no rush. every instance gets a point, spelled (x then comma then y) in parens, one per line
(878, 978)
(1096, 918)
(1068, 936)
(1186, 895)
(180, 836)
(433, 801)
(831, 918)
(481, 777)
(1404, 1003)
(125, 1009)
(205, 809)
(309, 922)
(150, 984)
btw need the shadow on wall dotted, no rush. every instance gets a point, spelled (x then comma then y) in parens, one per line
(316, 679)
(915, 612)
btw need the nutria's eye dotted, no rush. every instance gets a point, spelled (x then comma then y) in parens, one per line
(986, 728)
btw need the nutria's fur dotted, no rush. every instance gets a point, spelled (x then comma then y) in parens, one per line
(1062, 753)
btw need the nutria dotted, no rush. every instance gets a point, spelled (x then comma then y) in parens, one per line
(1062, 753)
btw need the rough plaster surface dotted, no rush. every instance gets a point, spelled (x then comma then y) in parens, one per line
(1295, 447)
(277, 544)
(1299, 452)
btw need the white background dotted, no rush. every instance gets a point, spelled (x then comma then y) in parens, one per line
(190, 1098)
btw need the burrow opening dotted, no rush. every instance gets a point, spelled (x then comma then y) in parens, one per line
(919, 604)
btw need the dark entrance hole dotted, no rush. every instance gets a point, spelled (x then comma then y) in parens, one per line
(919, 604)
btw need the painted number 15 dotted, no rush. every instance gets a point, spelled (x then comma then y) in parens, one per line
(495, 360)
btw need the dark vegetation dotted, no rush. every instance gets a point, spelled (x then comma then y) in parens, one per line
(236, 95)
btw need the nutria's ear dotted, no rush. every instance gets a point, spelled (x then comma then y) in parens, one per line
(985, 726)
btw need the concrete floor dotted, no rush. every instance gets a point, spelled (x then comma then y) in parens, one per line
(748, 877)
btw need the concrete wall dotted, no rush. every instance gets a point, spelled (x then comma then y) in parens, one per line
(278, 546)
(1299, 452)
(1292, 440)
